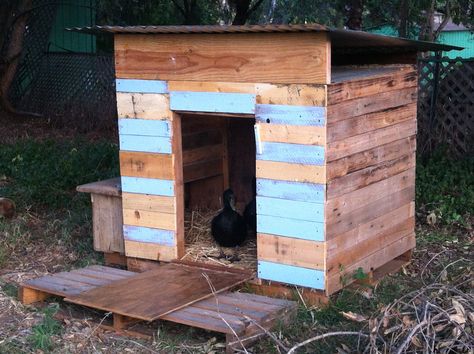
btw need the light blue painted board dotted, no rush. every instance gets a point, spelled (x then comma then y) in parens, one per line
(160, 145)
(212, 102)
(150, 235)
(305, 192)
(290, 209)
(141, 86)
(146, 127)
(292, 153)
(306, 230)
(311, 278)
(293, 115)
(147, 186)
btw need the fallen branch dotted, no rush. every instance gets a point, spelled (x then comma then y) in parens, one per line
(326, 335)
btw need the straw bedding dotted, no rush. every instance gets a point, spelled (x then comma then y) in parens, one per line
(200, 246)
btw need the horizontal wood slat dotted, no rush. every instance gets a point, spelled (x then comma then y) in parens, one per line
(292, 153)
(136, 217)
(150, 235)
(291, 251)
(306, 192)
(291, 209)
(369, 104)
(369, 175)
(290, 172)
(201, 170)
(147, 186)
(215, 102)
(156, 203)
(150, 251)
(371, 157)
(204, 153)
(283, 226)
(368, 122)
(143, 106)
(290, 115)
(289, 274)
(369, 140)
(146, 165)
(295, 57)
(293, 134)
(146, 127)
(141, 86)
(153, 144)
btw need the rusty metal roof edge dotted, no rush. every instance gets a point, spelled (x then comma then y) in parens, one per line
(335, 33)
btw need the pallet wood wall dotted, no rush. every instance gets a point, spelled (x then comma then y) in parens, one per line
(370, 171)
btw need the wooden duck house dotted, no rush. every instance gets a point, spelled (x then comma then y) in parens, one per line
(324, 120)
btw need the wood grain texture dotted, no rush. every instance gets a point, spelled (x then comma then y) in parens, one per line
(178, 186)
(292, 251)
(399, 78)
(364, 196)
(136, 217)
(369, 229)
(150, 251)
(202, 170)
(149, 235)
(368, 122)
(290, 115)
(283, 226)
(153, 144)
(292, 153)
(369, 104)
(305, 192)
(141, 86)
(146, 165)
(290, 172)
(294, 134)
(279, 94)
(204, 153)
(257, 57)
(369, 140)
(156, 203)
(107, 223)
(144, 127)
(339, 223)
(179, 286)
(369, 175)
(371, 157)
(292, 209)
(373, 261)
(143, 106)
(111, 187)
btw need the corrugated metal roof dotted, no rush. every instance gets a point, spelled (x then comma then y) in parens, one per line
(340, 38)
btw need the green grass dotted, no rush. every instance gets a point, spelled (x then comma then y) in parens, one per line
(41, 338)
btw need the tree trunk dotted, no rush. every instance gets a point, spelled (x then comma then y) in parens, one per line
(354, 14)
(403, 25)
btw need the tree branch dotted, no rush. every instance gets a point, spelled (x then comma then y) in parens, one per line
(178, 6)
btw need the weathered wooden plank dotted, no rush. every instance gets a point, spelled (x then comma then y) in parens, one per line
(193, 140)
(294, 134)
(147, 234)
(290, 115)
(292, 153)
(371, 230)
(369, 104)
(292, 94)
(306, 192)
(217, 102)
(338, 223)
(311, 278)
(178, 186)
(134, 217)
(146, 165)
(147, 127)
(292, 209)
(143, 106)
(207, 152)
(107, 223)
(142, 86)
(156, 203)
(375, 156)
(153, 251)
(368, 122)
(153, 144)
(206, 86)
(369, 140)
(364, 196)
(373, 261)
(255, 57)
(303, 229)
(147, 186)
(110, 187)
(290, 172)
(369, 175)
(292, 251)
(392, 80)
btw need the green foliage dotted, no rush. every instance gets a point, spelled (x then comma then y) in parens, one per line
(445, 187)
(359, 274)
(42, 332)
(46, 173)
